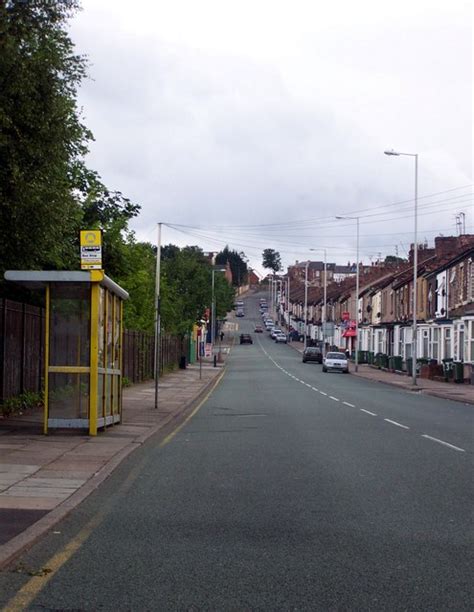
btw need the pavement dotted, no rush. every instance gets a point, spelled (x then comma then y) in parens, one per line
(452, 391)
(42, 478)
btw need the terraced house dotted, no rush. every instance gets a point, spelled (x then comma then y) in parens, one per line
(384, 309)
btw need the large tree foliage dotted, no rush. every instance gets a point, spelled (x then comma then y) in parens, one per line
(271, 260)
(187, 291)
(47, 194)
(238, 265)
(185, 287)
(41, 135)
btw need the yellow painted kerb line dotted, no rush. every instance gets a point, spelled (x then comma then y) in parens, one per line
(190, 416)
(35, 585)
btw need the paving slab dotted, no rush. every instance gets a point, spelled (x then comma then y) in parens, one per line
(27, 503)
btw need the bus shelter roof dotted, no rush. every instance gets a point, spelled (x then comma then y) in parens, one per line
(37, 279)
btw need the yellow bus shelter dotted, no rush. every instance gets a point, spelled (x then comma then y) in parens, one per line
(83, 347)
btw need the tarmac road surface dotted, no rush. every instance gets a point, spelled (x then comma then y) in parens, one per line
(289, 489)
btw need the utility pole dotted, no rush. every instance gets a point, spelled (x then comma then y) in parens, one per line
(157, 314)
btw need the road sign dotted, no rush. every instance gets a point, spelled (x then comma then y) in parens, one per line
(91, 249)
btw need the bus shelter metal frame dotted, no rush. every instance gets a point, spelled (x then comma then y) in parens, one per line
(101, 287)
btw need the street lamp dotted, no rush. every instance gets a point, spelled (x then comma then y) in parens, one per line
(415, 260)
(157, 313)
(213, 305)
(357, 296)
(324, 317)
(306, 303)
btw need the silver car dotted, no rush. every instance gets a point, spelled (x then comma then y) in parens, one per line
(337, 362)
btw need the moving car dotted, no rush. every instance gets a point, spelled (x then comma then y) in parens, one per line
(337, 362)
(312, 353)
(246, 339)
(281, 337)
(258, 329)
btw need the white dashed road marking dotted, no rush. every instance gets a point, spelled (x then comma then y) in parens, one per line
(447, 444)
(397, 424)
(461, 450)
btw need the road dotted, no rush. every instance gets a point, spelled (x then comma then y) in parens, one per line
(289, 489)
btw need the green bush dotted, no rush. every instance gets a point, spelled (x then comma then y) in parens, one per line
(20, 403)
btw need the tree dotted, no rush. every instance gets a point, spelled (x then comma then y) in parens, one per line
(47, 194)
(41, 135)
(271, 260)
(238, 265)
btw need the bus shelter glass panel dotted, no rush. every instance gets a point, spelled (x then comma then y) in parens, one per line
(101, 353)
(68, 396)
(69, 324)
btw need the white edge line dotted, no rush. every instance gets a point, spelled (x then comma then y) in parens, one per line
(397, 424)
(351, 405)
(322, 393)
(461, 450)
(333, 398)
(367, 411)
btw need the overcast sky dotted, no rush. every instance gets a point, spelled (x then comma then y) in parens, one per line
(236, 115)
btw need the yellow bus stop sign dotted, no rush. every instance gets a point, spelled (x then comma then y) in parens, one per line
(91, 250)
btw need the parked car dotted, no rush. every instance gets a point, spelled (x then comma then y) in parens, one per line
(240, 313)
(313, 353)
(337, 362)
(246, 339)
(281, 337)
(274, 332)
(258, 329)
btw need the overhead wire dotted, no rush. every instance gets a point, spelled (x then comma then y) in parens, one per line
(296, 223)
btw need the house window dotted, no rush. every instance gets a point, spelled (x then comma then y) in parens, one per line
(447, 343)
(425, 344)
(470, 340)
(380, 342)
(470, 293)
(434, 343)
(459, 344)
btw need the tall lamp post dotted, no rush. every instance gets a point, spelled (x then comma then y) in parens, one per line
(415, 262)
(356, 361)
(288, 299)
(306, 303)
(213, 305)
(324, 317)
(157, 314)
